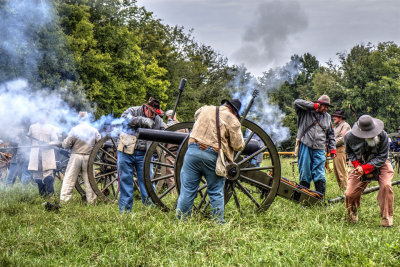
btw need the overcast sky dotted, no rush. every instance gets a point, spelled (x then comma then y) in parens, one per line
(263, 34)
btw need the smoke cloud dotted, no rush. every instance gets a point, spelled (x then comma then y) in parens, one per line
(266, 115)
(274, 25)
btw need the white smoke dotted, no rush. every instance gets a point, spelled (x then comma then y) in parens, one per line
(18, 20)
(266, 115)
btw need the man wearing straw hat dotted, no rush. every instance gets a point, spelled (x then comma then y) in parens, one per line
(315, 134)
(339, 162)
(367, 147)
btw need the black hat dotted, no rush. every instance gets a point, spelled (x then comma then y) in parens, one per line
(367, 127)
(234, 103)
(339, 113)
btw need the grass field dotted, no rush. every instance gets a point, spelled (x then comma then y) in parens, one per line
(286, 235)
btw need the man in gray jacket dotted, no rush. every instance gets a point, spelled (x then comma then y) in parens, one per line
(367, 147)
(131, 151)
(315, 134)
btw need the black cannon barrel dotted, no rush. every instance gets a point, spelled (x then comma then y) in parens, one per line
(177, 138)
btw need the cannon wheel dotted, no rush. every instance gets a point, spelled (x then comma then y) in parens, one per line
(154, 171)
(248, 185)
(102, 169)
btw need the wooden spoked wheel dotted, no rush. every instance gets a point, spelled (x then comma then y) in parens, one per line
(248, 184)
(158, 170)
(102, 169)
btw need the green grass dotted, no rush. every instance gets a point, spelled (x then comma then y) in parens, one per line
(287, 234)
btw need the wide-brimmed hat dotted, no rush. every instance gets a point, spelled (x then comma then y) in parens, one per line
(367, 127)
(339, 113)
(324, 100)
(235, 104)
(154, 105)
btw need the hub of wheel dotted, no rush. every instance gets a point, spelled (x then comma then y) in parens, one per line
(233, 172)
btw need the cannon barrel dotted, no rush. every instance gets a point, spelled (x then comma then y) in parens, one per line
(177, 138)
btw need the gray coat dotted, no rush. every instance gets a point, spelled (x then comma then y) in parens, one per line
(357, 149)
(319, 135)
(135, 119)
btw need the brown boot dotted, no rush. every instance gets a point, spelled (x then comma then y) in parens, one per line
(387, 222)
(352, 216)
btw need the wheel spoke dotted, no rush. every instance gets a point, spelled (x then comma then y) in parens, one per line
(105, 174)
(162, 164)
(162, 178)
(114, 144)
(167, 150)
(110, 183)
(104, 164)
(108, 154)
(247, 193)
(254, 182)
(203, 200)
(252, 155)
(166, 191)
(257, 168)
(245, 144)
(236, 199)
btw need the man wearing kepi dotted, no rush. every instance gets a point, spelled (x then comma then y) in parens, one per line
(367, 147)
(131, 151)
(339, 162)
(81, 140)
(315, 134)
(201, 156)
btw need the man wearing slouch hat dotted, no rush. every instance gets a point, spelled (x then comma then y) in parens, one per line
(315, 134)
(201, 157)
(367, 147)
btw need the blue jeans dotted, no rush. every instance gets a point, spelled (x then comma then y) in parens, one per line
(311, 164)
(19, 169)
(198, 163)
(125, 164)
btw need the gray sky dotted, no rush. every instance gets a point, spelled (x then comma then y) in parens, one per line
(263, 34)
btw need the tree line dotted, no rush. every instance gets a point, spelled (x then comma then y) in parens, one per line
(118, 54)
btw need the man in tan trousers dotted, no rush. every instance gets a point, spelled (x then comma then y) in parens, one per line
(42, 161)
(80, 140)
(339, 162)
(367, 147)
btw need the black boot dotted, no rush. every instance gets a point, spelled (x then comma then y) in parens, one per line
(320, 187)
(305, 184)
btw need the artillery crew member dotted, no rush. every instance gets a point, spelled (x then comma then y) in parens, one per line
(339, 162)
(395, 142)
(81, 140)
(367, 147)
(201, 156)
(315, 134)
(42, 161)
(131, 151)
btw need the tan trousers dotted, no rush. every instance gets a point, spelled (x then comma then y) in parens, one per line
(355, 188)
(77, 163)
(340, 167)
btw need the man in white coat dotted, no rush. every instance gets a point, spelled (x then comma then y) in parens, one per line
(80, 140)
(42, 161)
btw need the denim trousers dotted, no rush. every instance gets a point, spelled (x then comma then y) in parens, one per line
(126, 163)
(311, 164)
(19, 169)
(196, 164)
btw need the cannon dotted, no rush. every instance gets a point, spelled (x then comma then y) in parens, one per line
(248, 186)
